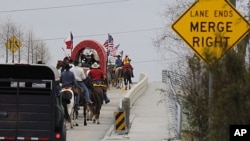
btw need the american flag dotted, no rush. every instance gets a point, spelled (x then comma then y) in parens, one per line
(113, 51)
(109, 43)
(121, 52)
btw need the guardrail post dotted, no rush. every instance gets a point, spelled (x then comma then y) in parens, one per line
(126, 106)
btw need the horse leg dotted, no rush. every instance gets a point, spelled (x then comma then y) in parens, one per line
(71, 120)
(75, 115)
(97, 116)
(90, 112)
(126, 84)
(89, 115)
(94, 118)
(130, 81)
(68, 116)
(84, 114)
(118, 84)
(121, 83)
(113, 82)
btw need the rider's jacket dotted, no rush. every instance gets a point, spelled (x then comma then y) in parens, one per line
(118, 62)
(68, 79)
(96, 74)
(126, 61)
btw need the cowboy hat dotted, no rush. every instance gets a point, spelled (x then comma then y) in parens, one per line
(67, 66)
(95, 65)
(76, 62)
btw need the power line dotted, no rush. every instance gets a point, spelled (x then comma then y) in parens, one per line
(101, 34)
(159, 60)
(58, 7)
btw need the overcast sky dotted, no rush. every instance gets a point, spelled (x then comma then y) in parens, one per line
(132, 23)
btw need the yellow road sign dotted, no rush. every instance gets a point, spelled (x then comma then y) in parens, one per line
(211, 28)
(13, 44)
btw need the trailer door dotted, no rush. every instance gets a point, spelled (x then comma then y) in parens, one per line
(27, 103)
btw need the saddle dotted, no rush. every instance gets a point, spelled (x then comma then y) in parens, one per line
(100, 84)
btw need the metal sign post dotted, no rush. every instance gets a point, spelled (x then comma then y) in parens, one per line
(211, 28)
(13, 44)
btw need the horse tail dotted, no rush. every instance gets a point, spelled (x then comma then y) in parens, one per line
(127, 75)
(65, 102)
(66, 112)
(66, 96)
(98, 96)
(96, 99)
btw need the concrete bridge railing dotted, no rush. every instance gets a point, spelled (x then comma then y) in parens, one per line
(132, 95)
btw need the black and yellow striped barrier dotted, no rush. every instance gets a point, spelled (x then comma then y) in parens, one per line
(120, 121)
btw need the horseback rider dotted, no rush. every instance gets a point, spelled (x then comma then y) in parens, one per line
(92, 59)
(68, 80)
(84, 60)
(68, 77)
(80, 76)
(64, 63)
(97, 76)
(126, 64)
(118, 61)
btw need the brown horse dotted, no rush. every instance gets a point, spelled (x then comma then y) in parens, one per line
(82, 102)
(127, 75)
(59, 64)
(96, 95)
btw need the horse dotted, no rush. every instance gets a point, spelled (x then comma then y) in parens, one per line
(96, 95)
(59, 64)
(127, 74)
(82, 102)
(68, 101)
(110, 76)
(118, 77)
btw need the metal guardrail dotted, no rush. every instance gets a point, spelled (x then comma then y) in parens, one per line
(173, 104)
(132, 95)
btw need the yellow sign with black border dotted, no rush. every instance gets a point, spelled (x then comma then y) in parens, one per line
(211, 28)
(13, 43)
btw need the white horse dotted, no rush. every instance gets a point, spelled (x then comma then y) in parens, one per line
(118, 77)
(68, 101)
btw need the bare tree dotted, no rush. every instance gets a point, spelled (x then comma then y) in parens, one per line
(20, 36)
(8, 29)
(172, 50)
(36, 50)
(31, 51)
(41, 52)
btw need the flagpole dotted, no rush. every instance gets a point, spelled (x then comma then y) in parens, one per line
(64, 51)
(107, 55)
(71, 52)
(67, 55)
(71, 37)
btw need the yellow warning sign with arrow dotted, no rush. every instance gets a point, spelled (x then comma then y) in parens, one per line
(13, 43)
